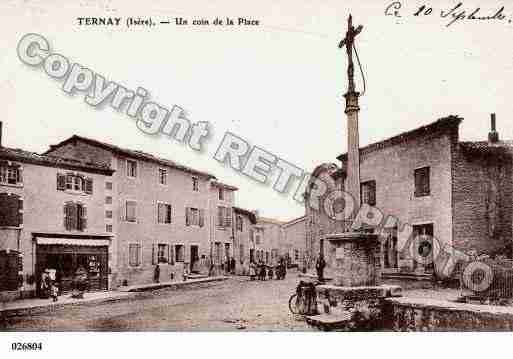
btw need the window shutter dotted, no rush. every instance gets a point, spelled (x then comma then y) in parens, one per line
(228, 217)
(153, 254)
(61, 182)
(171, 255)
(20, 175)
(372, 194)
(73, 208)
(88, 185)
(201, 217)
(220, 216)
(20, 212)
(417, 183)
(187, 215)
(83, 217)
(170, 213)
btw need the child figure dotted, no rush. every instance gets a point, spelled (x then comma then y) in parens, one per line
(54, 291)
(185, 273)
(270, 273)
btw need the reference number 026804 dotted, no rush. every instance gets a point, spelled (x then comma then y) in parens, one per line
(26, 346)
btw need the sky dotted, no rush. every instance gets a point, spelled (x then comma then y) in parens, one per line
(278, 85)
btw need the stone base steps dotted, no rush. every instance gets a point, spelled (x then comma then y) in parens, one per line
(407, 276)
(329, 322)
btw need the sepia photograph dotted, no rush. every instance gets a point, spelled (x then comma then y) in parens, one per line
(294, 170)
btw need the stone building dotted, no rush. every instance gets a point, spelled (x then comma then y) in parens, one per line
(244, 239)
(268, 236)
(159, 212)
(52, 217)
(426, 182)
(293, 245)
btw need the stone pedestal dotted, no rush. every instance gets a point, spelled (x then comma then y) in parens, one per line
(355, 259)
(355, 301)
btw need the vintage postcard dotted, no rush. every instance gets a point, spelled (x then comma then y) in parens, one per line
(275, 166)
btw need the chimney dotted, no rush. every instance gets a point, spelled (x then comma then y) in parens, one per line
(493, 135)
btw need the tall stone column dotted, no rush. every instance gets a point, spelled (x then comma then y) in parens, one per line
(353, 146)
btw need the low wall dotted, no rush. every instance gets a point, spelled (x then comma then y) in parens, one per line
(420, 314)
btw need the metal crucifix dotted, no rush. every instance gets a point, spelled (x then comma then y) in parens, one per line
(348, 41)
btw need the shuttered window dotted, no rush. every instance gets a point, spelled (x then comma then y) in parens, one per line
(164, 211)
(194, 217)
(422, 182)
(224, 217)
(368, 193)
(179, 253)
(131, 211)
(74, 182)
(134, 254)
(11, 210)
(239, 223)
(10, 173)
(75, 216)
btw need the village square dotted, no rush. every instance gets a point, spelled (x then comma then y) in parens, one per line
(409, 233)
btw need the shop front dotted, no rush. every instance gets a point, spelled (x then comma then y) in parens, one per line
(65, 257)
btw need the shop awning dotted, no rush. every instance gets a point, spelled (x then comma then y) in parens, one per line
(72, 241)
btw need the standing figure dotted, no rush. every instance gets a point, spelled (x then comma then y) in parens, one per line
(232, 265)
(45, 284)
(156, 274)
(319, 267)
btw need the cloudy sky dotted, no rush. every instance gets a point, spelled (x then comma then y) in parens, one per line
(278, 85)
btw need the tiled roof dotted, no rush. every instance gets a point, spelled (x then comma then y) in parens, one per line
(485, 147)
(440, 124)
(246, 212)
(224, 185)
(16, 154)
(270, 220)
(294, 221)
(131, 153)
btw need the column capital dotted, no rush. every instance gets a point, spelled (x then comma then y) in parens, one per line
(352, 101)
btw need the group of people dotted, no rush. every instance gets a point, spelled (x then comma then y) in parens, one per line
(49, 288)
(51, 280)
(262, 271)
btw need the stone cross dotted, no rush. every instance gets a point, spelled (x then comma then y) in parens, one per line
(348, 42)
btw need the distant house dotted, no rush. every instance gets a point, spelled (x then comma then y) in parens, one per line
(294, 241)
(428, 182)
(244, 239)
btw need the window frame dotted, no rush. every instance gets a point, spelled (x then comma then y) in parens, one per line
(129, 169)
(368, 184)
(139, 255)
(425, 190)
(167, 212)
(195, 184)
(162, 175)
(126, 211)
(220, 193)
(176, 252)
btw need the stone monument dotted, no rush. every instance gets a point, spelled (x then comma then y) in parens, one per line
(355, 299)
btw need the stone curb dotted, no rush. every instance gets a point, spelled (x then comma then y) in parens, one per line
(126, 295)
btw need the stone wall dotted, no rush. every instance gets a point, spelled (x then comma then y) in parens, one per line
(419, 314)
(482, 202)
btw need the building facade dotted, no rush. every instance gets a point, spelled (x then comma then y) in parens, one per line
(161, 212)
(244, 242)
(51, 217)
(293, 245)
(426, 182)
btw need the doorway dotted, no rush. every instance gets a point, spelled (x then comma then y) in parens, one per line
(194, 259)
